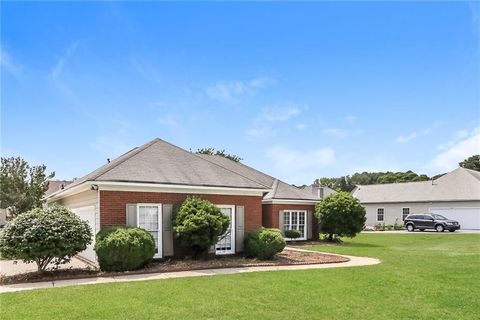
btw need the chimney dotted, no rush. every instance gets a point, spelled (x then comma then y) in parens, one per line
(317, 191)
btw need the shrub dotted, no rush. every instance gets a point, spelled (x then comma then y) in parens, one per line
(45, 235)
(340, 215)
(199, 224)
(264, 243)
(124, 248)
(292, 234)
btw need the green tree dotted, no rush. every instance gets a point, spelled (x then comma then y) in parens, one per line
(221, 153)
(340, 215)
(45, 236)
(22, 186)
(199, 224)
(472, 163)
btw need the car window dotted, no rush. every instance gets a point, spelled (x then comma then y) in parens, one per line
(439, 217)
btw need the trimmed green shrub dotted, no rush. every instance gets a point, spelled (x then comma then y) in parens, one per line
(292, 234)
(340, 215)
(264, 243)
(45, 236)
(124, 248)
(199, 224)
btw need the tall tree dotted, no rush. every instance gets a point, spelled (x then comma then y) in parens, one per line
(472, 163)
(22, 186)
(221, 153)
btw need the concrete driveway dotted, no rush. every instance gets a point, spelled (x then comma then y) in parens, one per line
(423, 232)
(13, 267)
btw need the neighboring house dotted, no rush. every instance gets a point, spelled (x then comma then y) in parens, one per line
(143, 186)
(456, 195)
(56, 185)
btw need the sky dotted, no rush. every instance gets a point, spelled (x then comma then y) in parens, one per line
(298, 90)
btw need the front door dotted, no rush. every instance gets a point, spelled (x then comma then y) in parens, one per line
(226, 244)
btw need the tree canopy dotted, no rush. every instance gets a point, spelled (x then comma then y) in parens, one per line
(472, 163)
(347, 183)
(221, 153)
(22, 186)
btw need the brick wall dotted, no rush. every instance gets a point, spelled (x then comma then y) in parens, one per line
(113, 205)
(271, 211)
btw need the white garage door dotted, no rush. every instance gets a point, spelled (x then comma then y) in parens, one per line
(88, 214)
(469, 218)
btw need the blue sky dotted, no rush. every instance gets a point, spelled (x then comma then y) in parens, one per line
(299, 90)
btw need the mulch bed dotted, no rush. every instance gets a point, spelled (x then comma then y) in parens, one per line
(286, 257)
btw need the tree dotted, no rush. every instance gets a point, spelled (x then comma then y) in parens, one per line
(45, 235)
(221, 153)
(22, 186)
(199, 224)
(472, 163)
(340, 215)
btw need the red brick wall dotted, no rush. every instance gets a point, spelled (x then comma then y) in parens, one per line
(113, 205)
(270, 215)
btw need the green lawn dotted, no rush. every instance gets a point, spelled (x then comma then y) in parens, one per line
(434, 276)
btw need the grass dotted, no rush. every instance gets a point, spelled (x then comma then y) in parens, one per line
(420, 277)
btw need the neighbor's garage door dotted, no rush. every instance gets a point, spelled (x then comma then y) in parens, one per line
(469, 218)
(87, 214)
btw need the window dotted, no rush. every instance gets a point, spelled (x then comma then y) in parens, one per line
(405, 213)
(149, 218)
(380, 214)
(296, 219)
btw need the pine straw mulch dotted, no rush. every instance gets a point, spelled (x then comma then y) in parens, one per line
(285, 258)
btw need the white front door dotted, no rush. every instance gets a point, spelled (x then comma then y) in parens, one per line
(226, 244)
(149, 217)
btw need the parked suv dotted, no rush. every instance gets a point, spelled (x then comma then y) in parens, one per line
(430, 221)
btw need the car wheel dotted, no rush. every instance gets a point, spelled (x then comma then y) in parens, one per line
(410, 227)
(422, 229)
(439, 228)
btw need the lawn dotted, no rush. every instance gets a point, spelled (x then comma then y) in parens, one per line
(435, 276)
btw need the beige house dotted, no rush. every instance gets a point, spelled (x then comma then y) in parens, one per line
(456, 195)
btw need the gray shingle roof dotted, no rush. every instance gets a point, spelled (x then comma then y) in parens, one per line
(280, 189)
(161, 162)
(459, 184)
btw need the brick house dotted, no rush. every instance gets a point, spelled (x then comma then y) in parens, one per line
(143, 186)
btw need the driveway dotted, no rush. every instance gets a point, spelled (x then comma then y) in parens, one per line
(423, 232)
(13, 267)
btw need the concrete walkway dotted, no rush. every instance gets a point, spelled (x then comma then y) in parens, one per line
(354, 262)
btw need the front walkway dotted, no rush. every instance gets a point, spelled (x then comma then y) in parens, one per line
(354, 262)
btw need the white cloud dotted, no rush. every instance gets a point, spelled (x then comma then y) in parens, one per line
(456, 151)
(408, 138)
(335, 132)
(57, 69)
(416, 134)
(264, 125)
(9, 64)
(229, 91)
(301, 126)
(299, 166)
(350, 119)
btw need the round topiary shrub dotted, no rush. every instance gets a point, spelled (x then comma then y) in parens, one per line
(199, 224)
(264, 243)
(124, 248)
(292, 234)
(45, 236)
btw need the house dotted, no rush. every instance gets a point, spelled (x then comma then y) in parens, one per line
(455, 195)
(143, 186)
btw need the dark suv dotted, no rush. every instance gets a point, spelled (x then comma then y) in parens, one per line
(430, 221)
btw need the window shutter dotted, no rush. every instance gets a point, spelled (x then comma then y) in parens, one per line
(131, 219)
(280, 221)
(239, 228)
(309, 224)
(167, 232)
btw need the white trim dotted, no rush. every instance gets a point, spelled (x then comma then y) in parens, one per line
(232, 229)
(376, 214)
(290, 201)
(305, 231)
(160, 226)
(155, 187)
